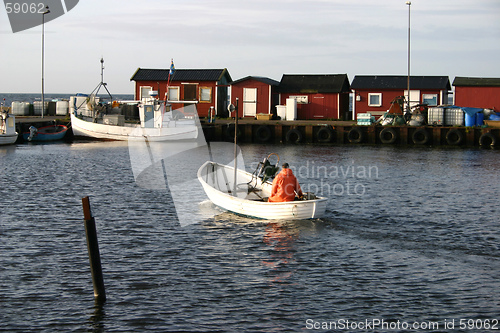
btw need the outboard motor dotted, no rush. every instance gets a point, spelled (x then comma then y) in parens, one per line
(33, 132)
(268, 170)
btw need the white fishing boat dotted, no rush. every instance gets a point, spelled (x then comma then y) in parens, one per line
(156, 124)
(248, 195)
(8, 134)
(91, 117)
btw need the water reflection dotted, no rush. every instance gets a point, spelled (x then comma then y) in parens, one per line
(282, 240)
(97, 318)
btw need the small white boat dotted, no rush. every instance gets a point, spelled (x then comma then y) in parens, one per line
(249, 196)
(8, 134)
(156, 124)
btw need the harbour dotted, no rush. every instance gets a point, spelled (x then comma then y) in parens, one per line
(347, 190)
(320, 132)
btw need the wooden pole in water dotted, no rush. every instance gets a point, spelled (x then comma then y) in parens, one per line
(94, 256)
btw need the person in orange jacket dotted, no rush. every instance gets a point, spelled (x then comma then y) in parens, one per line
(285, 186)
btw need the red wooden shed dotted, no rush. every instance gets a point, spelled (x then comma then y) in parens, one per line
(374, 93)
(477, 92)
(204, 87)
(319, 96)
(256, 94)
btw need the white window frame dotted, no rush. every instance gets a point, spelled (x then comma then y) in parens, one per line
(433, 96)
(143, 89)
(209, 100)
(175, 96)
(379, 95)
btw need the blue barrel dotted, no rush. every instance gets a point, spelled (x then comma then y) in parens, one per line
(479, 119)
(470, 120)
(494, 116)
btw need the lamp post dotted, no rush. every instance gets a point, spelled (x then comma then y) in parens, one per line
(408, 83)
(43, 48)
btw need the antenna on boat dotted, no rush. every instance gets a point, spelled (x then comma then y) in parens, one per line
(231, 108)
(102, 84)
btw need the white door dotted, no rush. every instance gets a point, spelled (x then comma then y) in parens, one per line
(250, 102)
(414, 97)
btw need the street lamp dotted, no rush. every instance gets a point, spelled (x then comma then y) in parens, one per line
(43, 47)
(408, 83)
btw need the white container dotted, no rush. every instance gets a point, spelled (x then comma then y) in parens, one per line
(62, 108)
(435, 116)
(291, 109)
(454, 117)
(37, 106)
(114, 119)
(79, 104)
(20, 108)
(281, 111)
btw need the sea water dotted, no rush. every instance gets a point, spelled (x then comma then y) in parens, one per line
(409, 242)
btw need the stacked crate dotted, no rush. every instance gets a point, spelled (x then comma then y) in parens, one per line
(435, 116)
(453, 116)
(365, 119)
(445, 115)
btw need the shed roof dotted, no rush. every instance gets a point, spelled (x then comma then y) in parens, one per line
(400, 82)
(314, 83)
(476, 82)
(262, 79)
(146, 74)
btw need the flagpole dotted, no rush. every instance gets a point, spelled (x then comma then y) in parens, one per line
(170, 72)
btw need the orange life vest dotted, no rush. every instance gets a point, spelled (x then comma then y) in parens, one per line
(285, 185)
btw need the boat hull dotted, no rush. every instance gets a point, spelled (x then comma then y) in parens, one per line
(47, 133)
(112, 132)
(8, 139)
(218, 184)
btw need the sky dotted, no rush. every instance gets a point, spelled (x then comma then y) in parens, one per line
(250, 37)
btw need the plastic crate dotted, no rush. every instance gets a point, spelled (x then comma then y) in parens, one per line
(364, 116)
(435, 116)
(264, 116)
(454, 117)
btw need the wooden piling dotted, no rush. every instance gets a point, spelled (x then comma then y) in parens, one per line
(309, 133)
(94, 256)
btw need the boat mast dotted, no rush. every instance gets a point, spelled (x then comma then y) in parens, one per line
(43, 54)
(102, 84)
(231, 108)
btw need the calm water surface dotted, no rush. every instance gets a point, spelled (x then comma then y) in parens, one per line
(410, 235)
